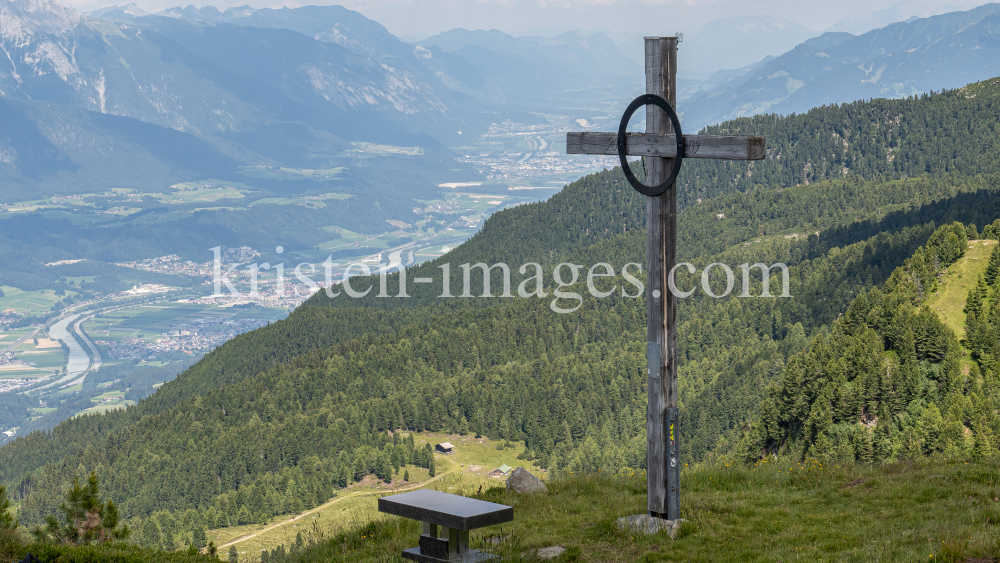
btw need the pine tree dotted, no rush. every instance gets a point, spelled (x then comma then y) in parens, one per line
(7, 522)
(233, 556)
(85, 518)
(430, 466)
(406, 475)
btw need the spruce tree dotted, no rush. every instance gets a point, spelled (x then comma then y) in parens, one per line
(233, 556)
(406, 475)
(198, 537)
(993, 268)
(430, 466)
(982, 450)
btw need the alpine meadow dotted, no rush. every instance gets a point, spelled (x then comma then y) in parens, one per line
(844, 409)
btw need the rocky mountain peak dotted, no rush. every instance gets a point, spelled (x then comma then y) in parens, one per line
(20, 20)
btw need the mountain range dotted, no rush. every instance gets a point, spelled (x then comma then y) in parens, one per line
(294, 87)
(281, 418)
(902, 59)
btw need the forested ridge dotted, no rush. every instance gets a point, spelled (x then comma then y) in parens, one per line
(278, 419)
(936, 133)
(891, 381)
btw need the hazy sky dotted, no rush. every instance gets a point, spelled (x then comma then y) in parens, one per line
(427, 17)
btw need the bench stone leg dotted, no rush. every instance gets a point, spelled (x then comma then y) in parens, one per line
(452, 535)
(445, 545)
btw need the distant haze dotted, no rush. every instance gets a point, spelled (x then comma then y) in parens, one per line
(416, 19)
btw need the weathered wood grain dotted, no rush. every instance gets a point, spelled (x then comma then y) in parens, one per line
(661, 306)
(648, 144)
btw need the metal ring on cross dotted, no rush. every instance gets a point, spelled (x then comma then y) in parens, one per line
(637, 103)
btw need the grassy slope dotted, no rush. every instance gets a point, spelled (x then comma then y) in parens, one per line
(932, 510)
(962, 276)
(357, 504)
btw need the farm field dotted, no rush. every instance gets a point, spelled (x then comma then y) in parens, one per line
(197, 326)
(446, 221)
(314, 201)
(105, 407)
(46, 357)
(39, 301)
(362, 149)
(149, 322)
(282, 173)
(465, 470)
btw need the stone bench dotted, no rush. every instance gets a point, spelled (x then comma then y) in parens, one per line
(455, 515)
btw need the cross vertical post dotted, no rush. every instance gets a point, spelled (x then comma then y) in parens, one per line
(661, 146)
(662, 468)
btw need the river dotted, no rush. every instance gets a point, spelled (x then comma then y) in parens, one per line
(79, 361)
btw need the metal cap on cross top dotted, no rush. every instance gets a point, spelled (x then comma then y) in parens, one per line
(664, 146)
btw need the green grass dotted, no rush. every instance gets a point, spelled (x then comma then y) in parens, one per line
(962, 276)
(929, 510)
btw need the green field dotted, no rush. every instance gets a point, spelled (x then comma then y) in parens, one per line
(349, 238)
(39, 301)
(362, 150)
(315, 201)
(149, 322)
(48, 356)
(281, 173)
(105, 407)
(448, 220)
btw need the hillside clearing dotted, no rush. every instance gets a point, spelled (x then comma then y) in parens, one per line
(949, 301)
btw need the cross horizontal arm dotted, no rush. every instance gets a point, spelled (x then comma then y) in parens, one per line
(647, 144)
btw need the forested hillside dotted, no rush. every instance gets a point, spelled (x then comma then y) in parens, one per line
(891, 380)
(280, 418)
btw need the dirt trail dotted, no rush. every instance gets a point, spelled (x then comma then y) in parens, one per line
(331, 503)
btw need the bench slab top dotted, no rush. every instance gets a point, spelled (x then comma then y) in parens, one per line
(444, 509)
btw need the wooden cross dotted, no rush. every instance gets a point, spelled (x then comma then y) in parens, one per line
(659, 147)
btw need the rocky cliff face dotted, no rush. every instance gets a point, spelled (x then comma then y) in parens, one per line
(37, 38)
